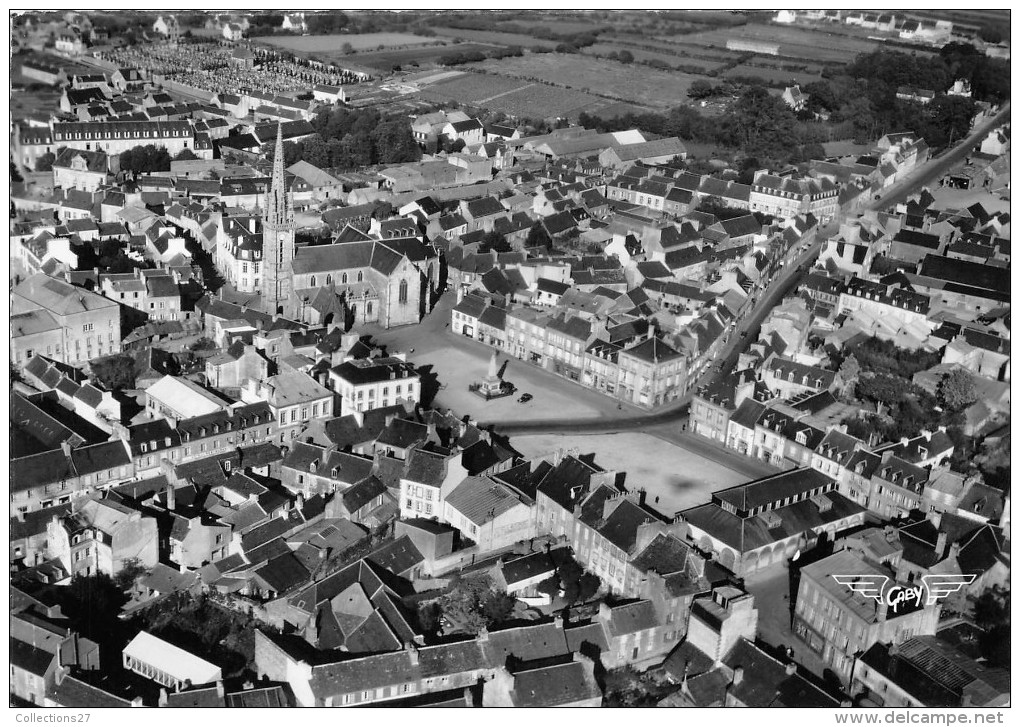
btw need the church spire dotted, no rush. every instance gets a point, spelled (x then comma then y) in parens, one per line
(279, 207)
(278, 229)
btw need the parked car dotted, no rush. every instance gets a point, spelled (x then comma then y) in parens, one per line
(525, 398)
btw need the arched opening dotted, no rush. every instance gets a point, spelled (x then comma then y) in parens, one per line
(343, 279)
(313, 281)
(361, 277)
(402, 296)
(329, 280)
(727, 559)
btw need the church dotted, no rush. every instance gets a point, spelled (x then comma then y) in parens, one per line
(354, 280)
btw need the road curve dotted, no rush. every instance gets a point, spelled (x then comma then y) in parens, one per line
(777, 290)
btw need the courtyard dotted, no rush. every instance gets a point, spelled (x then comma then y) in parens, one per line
(673, 478)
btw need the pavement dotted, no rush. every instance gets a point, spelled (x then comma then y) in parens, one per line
(784, 282)
(771, 591)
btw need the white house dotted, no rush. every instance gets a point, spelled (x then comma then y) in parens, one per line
(233, 32)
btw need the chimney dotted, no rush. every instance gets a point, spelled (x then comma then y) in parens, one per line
(219, 689)
(248, 684)
(137, 702)
(65, 447)
(954, 550)
(791, 668)
(940, 545)
(162, 697)
(171, 498)
(738, 676)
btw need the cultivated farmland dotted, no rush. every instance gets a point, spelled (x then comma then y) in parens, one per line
(333, 43)
(495, 37)
(644, 86)
(473, 88)
(411, 57)
(672, 59)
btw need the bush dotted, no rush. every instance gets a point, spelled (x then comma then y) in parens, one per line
(115, 372)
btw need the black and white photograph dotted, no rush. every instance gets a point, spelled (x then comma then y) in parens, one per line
(510, 358)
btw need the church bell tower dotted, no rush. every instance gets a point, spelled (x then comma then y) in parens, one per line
(278, 229)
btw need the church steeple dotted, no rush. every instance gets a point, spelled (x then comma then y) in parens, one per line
(278, 229)
(279, 204)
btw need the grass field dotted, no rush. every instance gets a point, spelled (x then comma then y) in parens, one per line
(411, 57)
(641, 85)
(772, 74)
(796, 42)
(519, 97)
(357, 41)
(673, 58)
(495, 37)
(473, 88)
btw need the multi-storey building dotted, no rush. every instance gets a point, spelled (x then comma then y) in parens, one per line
(115, 137)
(186, 440)
(787, 197)
(79, 325)
(837, 622)
(760, 523)
(364, 384)
(102, 536)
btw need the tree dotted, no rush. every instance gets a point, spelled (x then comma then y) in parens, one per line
(625, 56)
(347, 49)
(429, 615)
(203, 344)
(143, 159)
(15, 174)
(538, 237)
(550, 586)
(129, 573)
(494, 241)
(497, 606)
(700, 89)
(185, 155)
(956, 390)
(849, 372)
(992, 613)
(115, 372)
(45, 162)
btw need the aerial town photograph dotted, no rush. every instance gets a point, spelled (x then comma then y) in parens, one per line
(510, 358)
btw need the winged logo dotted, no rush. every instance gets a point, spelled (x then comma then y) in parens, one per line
(940, 586)
(869, 586)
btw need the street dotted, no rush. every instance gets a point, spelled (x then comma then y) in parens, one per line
(778, 289)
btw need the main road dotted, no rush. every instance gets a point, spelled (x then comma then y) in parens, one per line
(787, 280)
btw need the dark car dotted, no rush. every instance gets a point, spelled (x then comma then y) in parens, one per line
(525, 398)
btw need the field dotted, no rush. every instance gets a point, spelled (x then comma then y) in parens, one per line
(649, 87)
(357, 41)
(772, 74)
(513, 96)
(495, 37)
(672, 59)
(409, 57)
(818, 45)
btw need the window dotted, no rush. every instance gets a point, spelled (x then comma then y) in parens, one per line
(87, 327)
(361, 277)
(402, 296)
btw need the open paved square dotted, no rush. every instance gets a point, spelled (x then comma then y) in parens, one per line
(674, 476)
(457, 367)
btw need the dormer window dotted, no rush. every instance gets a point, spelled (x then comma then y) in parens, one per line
(167, 440)
(923, 452)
